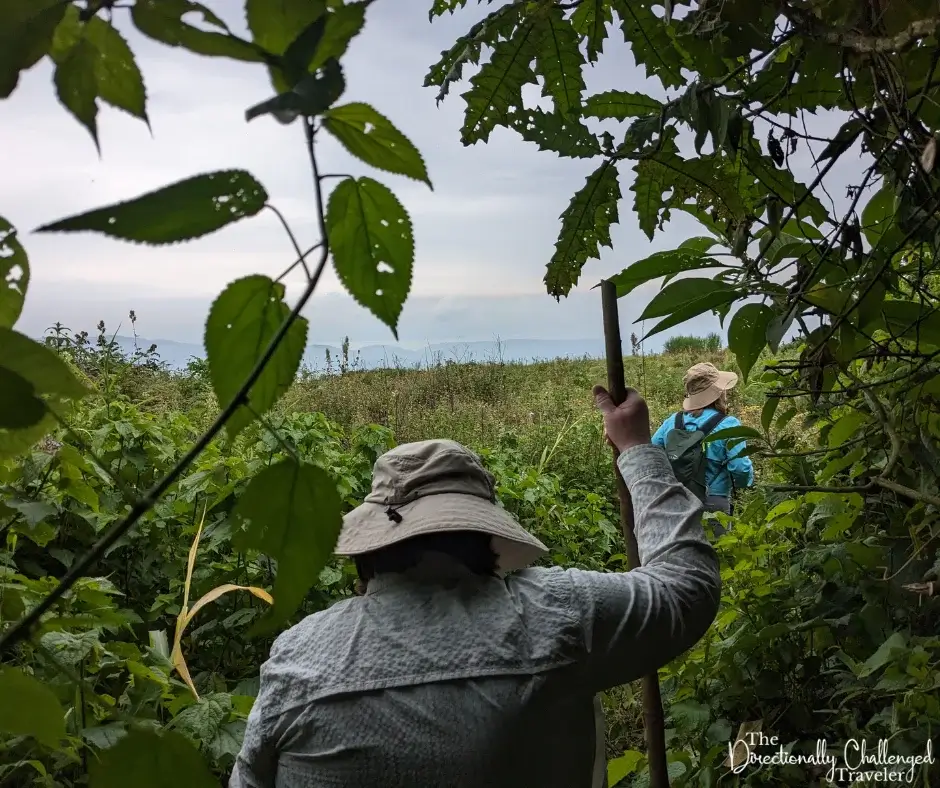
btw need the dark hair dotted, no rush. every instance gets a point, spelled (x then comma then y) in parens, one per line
(471, 548)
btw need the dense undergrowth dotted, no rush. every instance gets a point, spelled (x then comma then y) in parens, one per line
(140, 584)
(814, 638)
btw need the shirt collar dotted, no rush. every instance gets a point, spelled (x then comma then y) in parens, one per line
(434, 568)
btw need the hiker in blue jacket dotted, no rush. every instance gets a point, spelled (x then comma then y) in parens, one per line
(710, 470)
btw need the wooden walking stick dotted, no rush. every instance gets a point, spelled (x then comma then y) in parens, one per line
(617, 387)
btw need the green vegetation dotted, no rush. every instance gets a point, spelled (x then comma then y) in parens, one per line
(152, 521)
(709, 344)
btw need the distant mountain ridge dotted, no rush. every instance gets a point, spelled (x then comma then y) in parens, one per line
(178, 354)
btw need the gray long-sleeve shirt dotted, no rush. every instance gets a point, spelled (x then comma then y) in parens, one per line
(455, 680)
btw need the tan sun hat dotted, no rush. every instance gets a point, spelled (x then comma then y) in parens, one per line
(430, 487)
(705, 383)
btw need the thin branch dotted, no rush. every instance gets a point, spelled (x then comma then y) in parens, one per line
(22, 628)
(301, 256)
(914, 32)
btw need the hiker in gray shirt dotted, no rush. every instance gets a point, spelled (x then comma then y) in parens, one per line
(462, 665)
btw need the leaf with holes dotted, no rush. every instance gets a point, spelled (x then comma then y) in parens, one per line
(162, 20)
(274, 26)
(343, 24)
(565, 135)
(372, 138)
(373, 246)
(496, 89)
(652, 42)
(118, 79)
(747, 334)
(706, 180)
(585, 227)
(313, 95)
(662, 264)
(590, 20)
(290, 511)
(559, 60)
(26, 31)
(147, 759)
(620, 105)
(242, 322)
(76, 83)
(299, 53)
(14, 275)
(466, 49)
(189, 209)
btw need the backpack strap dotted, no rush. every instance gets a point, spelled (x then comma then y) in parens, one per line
(713, 422)
(680, 421)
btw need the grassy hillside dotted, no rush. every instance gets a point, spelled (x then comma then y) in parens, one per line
(536, 428)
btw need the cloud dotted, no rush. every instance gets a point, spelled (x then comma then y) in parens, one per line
(483, 236)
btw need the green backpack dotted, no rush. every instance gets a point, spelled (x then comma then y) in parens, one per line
(686, 455)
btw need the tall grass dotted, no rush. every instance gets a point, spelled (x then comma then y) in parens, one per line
(687, 344)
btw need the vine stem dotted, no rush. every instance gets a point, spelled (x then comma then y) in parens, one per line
(25, 625)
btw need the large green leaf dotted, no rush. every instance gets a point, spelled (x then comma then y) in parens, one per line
(590, 20)
(559, 60)
(878, 215)
(679, 293)
(747, 334)
(622, 767)
(496, 89)
(275, 26)
(585, 227)
(241, 324)
(729, 433)
(14, 275)
(19, 406)
(313, 95)
(343, 24)
(118, 79)
(675, 261)
(652, 41)
(620, 105)
(782, 183)
(372, 138)
(162, 20)
(887, 652)
(441, 7)
(46, 372)
(718, 301)
(29, 708)
(373, 246)
(26, 31)
(76, 82)
(147, 759)
(188, 209)
(291, 511)
(707, 180)
(565, 135)
(912, 321)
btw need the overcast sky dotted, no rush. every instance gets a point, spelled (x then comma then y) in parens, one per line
(483, 235)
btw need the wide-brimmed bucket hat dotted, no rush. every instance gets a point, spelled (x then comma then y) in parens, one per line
(435, 486)
(705, 383)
